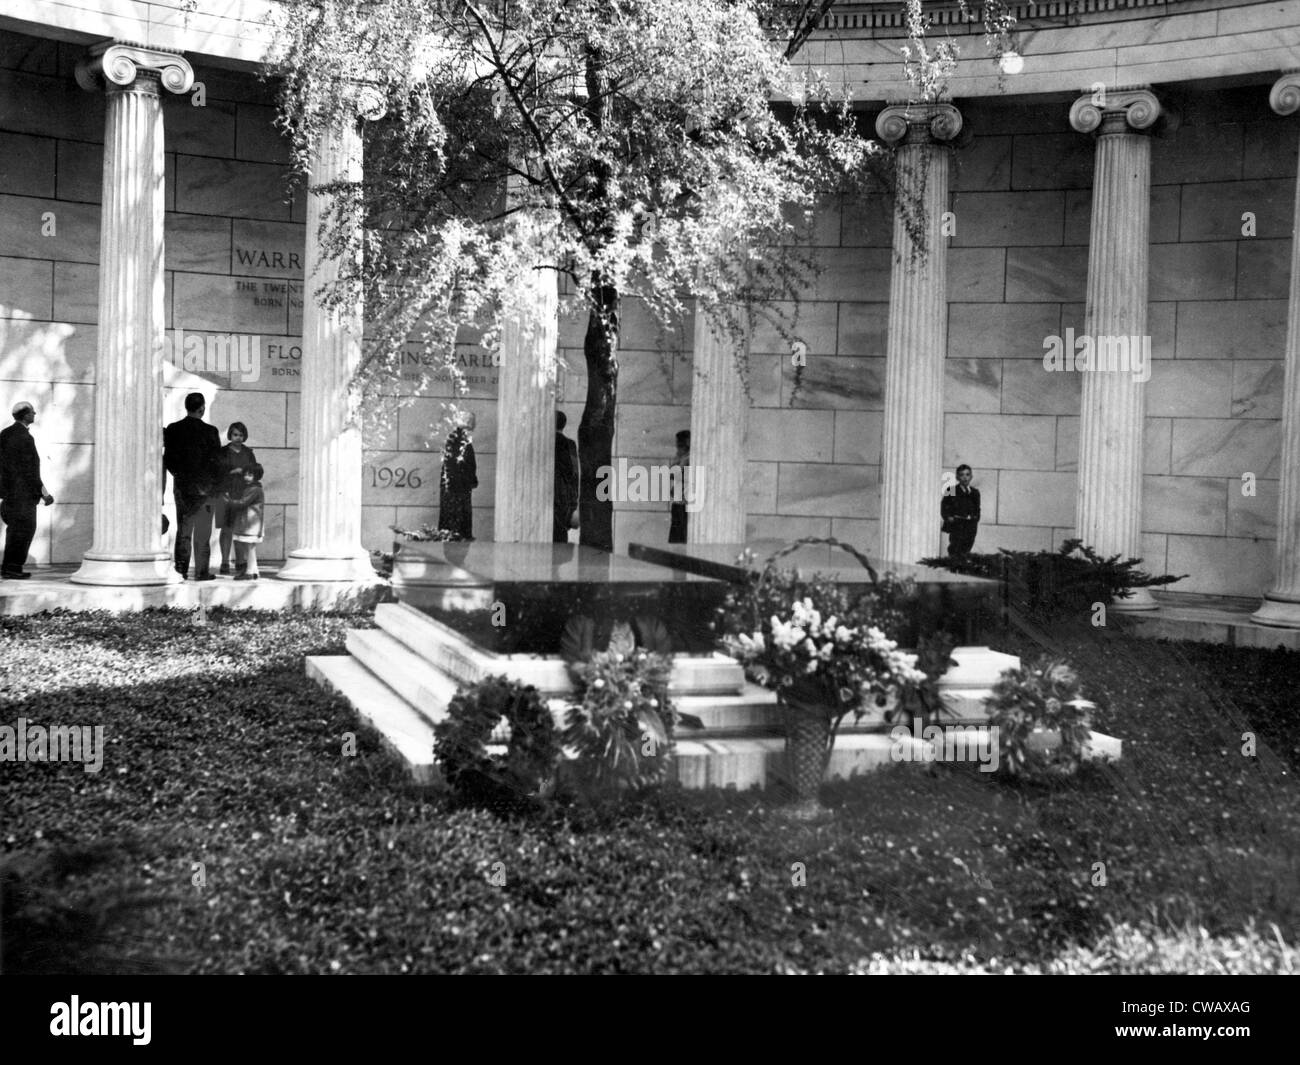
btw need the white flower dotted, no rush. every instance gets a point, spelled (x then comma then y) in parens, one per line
(843, 635)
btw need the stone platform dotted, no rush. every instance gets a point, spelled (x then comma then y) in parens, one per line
(1209, 619)
(963, 605)
(49, 588)
(518, 597)
(401, 676)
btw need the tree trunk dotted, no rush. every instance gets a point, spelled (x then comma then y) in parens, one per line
(596, 431)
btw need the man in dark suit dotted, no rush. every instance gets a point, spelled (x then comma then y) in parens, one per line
(20, 490)
(960, 510)
(566, 480)
(677, 509)
(191, 452)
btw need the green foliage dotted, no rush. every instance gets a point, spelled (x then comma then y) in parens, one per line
(919, 702)
(769, 589)
(636, 149)
(55, 919)
(318, 863)
(526, 772)
(1045, 697)
(1056, 585)
(621, 728)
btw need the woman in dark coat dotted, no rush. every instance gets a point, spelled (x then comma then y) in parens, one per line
(459, 479)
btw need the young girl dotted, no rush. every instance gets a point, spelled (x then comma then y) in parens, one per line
(245, 517)
(235, 457)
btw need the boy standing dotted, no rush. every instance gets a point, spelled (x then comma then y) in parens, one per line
(960, 510)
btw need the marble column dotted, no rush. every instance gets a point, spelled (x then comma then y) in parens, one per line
(1113, 405)
(329, 450)
(525, 470)
(127, 545)
(1281, 604)
(912, 454)
(719, 417)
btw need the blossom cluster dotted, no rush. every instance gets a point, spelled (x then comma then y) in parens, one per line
(848, 663)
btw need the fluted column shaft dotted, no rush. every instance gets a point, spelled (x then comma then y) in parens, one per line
(1281, 604)
(912, 452)
(127, 545)
(329, 456)
(1113, 405)
(525, 485)
(715, 484)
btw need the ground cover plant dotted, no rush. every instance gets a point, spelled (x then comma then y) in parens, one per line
(230, 800)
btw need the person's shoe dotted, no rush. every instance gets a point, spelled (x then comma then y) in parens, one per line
(14, 575)
(225, 569)
(246, 576)
(206, 577)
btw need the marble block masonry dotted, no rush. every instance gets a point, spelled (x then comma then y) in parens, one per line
(1042, 224)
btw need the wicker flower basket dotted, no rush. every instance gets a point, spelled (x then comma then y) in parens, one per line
(808, 727)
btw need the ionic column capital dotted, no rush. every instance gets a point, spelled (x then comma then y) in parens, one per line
(918, 123)
(1104, 111)
(120, 64)
(1284, 97)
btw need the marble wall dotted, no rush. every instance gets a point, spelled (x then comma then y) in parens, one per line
(235, 238)
(1017, 273)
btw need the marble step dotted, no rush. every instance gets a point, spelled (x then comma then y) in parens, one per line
(758, 762)
(447, 649)
(965, 705)
(976, 668)
(402, 729)
(970, 743)
(427, 688)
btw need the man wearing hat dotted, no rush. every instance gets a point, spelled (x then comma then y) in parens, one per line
(20, 490)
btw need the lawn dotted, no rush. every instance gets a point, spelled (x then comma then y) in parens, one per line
(228, 831)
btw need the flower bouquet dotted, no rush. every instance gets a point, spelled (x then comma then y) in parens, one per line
(1042, 720)
(823, 654)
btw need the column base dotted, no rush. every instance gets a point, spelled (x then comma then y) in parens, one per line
(126, 570)
(1139, 600)
(307, 565)
(1282, 613)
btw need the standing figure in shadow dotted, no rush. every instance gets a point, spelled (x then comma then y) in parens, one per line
(566, 481)
(459, 479)
(960, 511)
(677, 510)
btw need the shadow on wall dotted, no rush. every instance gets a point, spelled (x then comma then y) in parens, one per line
(51, 364)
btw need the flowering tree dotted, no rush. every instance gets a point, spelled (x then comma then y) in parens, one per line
(637, 147)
